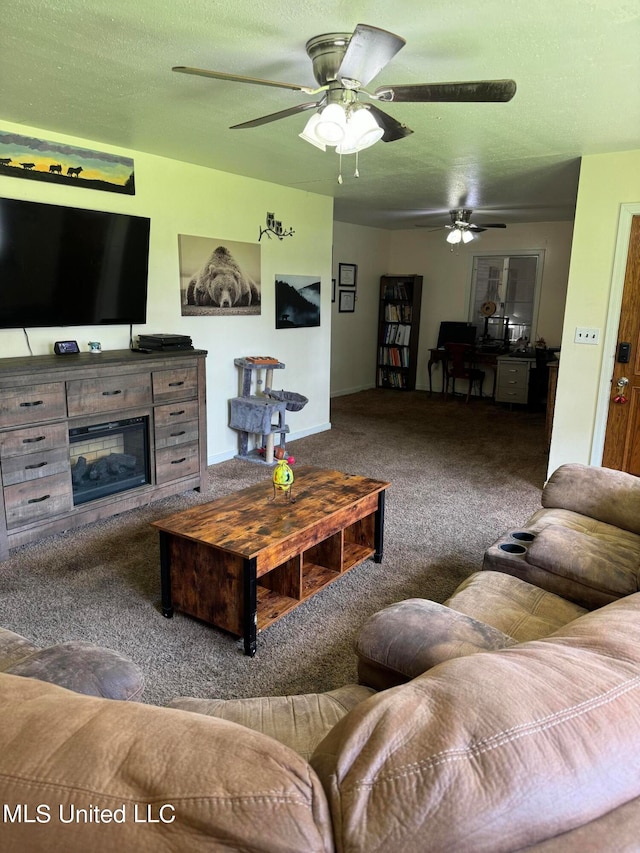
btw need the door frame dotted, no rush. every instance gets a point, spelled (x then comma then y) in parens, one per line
(627, 212)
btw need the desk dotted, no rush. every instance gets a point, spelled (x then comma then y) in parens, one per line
(478, 357)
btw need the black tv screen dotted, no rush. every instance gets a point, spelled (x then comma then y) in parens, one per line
(64, 266)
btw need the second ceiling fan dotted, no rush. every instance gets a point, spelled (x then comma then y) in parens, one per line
(463, 230)
(343, 64)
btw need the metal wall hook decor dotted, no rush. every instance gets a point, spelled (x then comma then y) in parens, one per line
(274, 226)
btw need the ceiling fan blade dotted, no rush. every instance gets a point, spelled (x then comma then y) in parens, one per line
(393, 129)
(236, 78)
(486, 225)
(256, 122)
(479, 91)
(367, 53)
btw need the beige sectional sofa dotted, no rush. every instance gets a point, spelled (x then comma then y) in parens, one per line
(532, 745)
(505, 720)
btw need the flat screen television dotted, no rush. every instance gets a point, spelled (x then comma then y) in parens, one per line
(65, 266)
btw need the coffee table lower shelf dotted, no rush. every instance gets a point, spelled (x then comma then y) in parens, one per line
(272, 606)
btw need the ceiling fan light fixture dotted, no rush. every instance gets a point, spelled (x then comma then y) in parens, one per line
(363, 131)
(331, 128)
(309, 132)
(454, 236)
(467, 236)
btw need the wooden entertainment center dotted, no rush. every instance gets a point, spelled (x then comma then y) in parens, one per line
(45, 399)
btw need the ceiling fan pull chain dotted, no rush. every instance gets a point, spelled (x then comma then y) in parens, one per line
(356, 174)
(340, 170)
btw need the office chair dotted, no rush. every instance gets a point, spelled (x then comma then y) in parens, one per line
(459, 366)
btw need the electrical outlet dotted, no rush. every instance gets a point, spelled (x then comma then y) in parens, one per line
(587, 336)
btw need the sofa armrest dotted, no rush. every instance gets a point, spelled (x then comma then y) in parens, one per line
(612, 497)
(408, 638)
(83, 668)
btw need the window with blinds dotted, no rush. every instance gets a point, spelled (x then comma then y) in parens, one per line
(511, 283)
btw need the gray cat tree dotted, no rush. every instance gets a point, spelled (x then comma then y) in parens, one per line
(263, 412)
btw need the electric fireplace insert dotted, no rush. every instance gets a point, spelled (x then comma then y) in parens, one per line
(108, 458)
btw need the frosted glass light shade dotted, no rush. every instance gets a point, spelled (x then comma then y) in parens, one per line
(467, 236)
(454, 236)
(332, 126)
(363, 131)
(309, 132)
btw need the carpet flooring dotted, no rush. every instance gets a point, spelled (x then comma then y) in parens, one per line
(460, 475)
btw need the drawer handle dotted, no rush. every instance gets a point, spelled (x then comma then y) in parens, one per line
(176, 434)
(34, 403)
(178, 461)
(176, 384)
(35, 465)
(33, 440)
(111, 393)
(38, 500)
(174, 414)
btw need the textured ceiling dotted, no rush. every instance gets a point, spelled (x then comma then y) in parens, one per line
(102, 71)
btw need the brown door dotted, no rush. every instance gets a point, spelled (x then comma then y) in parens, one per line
(622, 438)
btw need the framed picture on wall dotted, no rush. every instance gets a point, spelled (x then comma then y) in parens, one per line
(347, 275)
(347, 301)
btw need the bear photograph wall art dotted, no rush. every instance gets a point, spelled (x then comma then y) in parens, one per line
(297, 301)
(218, 276)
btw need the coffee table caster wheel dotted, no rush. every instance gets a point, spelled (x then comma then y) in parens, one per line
(167, 612)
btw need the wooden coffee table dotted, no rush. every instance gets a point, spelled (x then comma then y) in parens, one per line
(243, 561)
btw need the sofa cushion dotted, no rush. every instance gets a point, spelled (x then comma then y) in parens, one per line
(84, 668)
(607, 566)
(300, 721)
(517, 608)
(496, 751)
(584, 524)
(219, 786)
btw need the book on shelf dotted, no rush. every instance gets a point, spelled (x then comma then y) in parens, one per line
(396, 290)
(397, 333)
(397, 313)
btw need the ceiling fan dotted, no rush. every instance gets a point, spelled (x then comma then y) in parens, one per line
(343, 64)
(461, 228)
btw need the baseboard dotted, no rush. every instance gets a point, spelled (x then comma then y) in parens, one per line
(292, 436)
(346, 391)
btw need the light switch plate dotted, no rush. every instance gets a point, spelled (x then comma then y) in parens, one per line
(587, 336)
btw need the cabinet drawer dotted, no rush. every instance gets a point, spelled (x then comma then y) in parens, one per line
(511, 394)
(513, 371)
(32, 403)
(33, 466)
(175, 384)
(172, 463)
(515, 382)
(169, 415)
(107, 394)
(38, 438)
(37, 499)
(176, 433)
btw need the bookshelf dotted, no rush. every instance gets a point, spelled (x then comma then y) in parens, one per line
(398, 330)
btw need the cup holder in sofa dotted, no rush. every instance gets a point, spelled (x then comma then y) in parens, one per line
(512, 548)
(523, 536)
